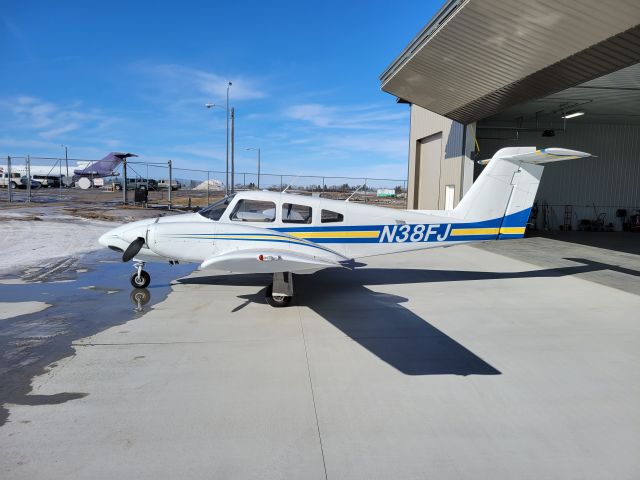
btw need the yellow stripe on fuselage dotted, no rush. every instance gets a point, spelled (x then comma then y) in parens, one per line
(474, 231)
(487, 231)
(512, 230)
(353, 234)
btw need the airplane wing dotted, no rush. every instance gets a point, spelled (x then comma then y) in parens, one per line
(269, 260)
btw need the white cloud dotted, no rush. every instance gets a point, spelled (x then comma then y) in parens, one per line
(209, 86)
(58, 131)
(7, 143)
(344, 117)
(49, 120)
(201, 150)
(389, 145)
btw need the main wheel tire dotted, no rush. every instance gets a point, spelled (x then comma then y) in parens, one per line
(276, 300)
(14, 185)
(141, 281)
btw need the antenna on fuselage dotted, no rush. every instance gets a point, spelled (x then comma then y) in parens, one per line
(356, 191)
(287, 187)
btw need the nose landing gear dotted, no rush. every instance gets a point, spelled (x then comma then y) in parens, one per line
(140, 278)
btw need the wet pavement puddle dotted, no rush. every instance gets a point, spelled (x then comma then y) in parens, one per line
(86, 295)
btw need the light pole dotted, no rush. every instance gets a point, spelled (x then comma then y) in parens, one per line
(257, 150)
(213, 105)
(233, 178)
(227, 110)
(60, 177)
(66, 160)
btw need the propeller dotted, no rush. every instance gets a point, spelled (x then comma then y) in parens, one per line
(133, 249)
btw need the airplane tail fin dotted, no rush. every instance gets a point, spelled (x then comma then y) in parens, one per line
(505, 190)
(104, 167)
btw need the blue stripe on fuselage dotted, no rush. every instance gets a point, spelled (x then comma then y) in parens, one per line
(395, 233)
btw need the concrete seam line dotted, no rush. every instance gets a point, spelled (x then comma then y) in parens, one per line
(313, 395)
(125, 344)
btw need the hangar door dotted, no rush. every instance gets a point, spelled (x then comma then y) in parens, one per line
(427, 175)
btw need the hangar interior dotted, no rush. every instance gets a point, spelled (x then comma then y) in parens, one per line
(573, 193)
(486, 75)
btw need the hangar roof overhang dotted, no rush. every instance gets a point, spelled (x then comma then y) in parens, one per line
(476, 58)
(610, 99)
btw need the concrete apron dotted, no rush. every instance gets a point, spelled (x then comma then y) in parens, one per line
(453, 363)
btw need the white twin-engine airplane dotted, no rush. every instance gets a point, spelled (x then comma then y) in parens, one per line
(282, 234)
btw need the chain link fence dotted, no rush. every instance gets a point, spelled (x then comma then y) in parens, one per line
(25, 179)
(52, 179)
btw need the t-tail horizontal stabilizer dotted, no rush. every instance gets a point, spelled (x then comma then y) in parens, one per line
(538, 157)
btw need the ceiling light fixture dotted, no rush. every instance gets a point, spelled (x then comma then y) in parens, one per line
(572, 114)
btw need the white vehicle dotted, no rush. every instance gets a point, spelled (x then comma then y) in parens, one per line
(132, 183)
(175, 185)
(34, 170)
(17, 181)
(5, 180)
(280, 233)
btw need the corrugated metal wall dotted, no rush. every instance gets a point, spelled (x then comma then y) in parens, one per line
(425, 124)
(609, 182)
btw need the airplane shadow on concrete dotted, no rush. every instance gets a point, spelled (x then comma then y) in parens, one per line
(378, 321)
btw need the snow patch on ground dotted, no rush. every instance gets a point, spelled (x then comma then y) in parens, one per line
(12, 281)
(15, 309)
(27, 244)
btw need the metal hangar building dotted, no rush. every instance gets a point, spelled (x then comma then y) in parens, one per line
(488, 74)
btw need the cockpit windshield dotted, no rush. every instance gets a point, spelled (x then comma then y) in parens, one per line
(215, 210)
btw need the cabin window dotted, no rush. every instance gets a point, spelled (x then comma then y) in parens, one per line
(215, 210)
(254, 211)
(327, 216)
(292, 213)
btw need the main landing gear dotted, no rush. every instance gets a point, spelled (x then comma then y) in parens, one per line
(280, 292)
(140, 278)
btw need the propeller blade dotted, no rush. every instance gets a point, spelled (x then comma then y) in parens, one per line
(133, 249)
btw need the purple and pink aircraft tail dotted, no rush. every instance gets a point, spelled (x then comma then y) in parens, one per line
(102, 168)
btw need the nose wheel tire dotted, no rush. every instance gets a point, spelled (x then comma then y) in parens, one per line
(276, 300)
(140, 281)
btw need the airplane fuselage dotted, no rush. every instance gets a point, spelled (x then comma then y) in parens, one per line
(36, 170)
(329, 229)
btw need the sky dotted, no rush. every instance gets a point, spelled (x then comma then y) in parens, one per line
(134, 76)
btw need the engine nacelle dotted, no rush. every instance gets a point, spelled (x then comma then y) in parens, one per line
(184, 241)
